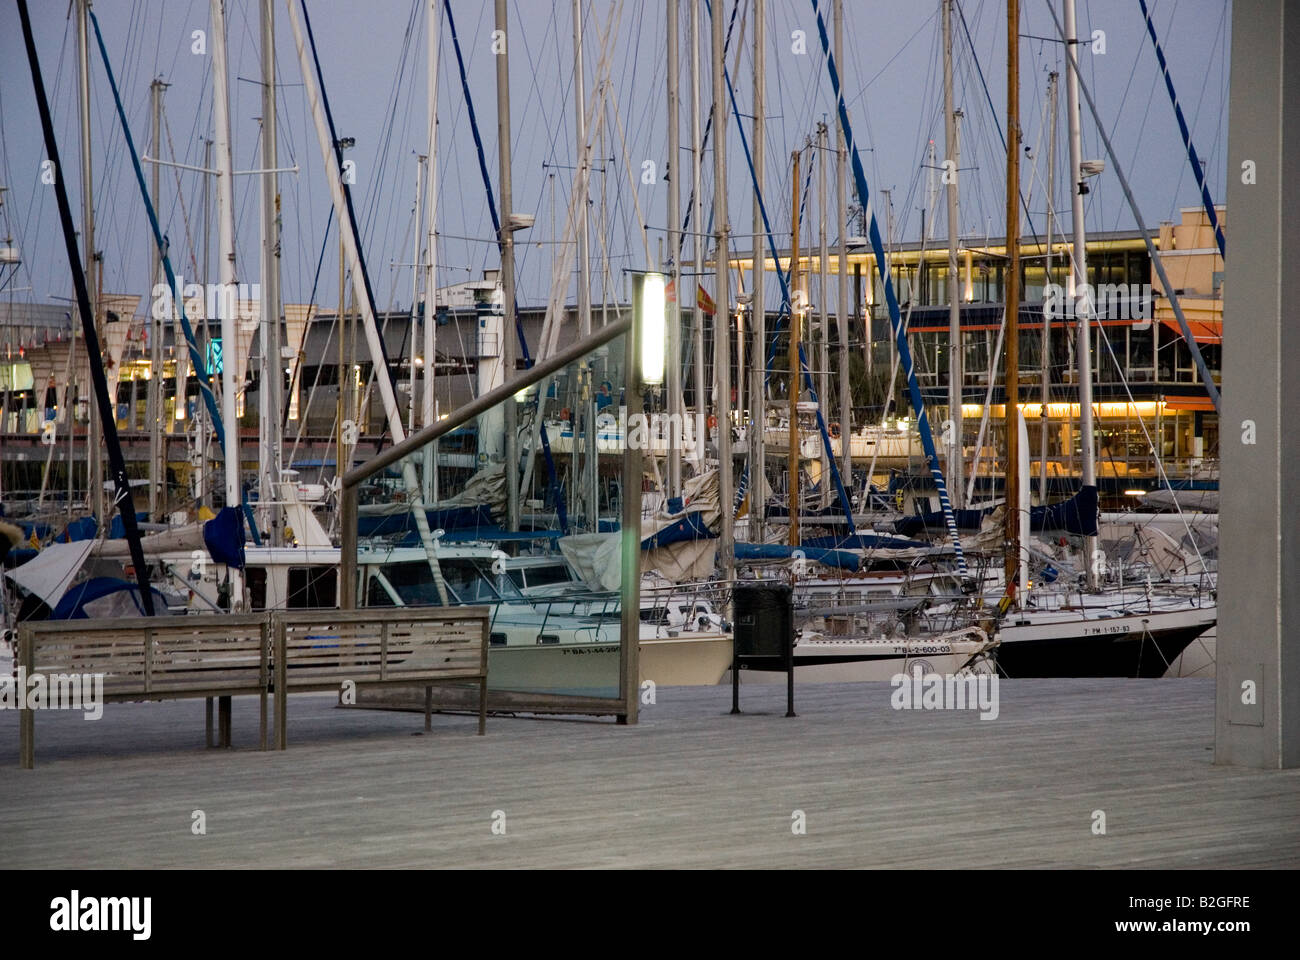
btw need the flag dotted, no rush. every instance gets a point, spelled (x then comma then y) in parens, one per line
(704, 301)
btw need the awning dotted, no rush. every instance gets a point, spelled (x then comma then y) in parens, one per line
(1205, 331)
(1198, 403)
(51, 572)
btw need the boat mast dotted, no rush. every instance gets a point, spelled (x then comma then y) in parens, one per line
(225, 251)
(1012, 283)
(429, 412)
(722, 301)
(201, 492)
(842, 275)
(1052, 84)
(94, 462)
(952, 164)
(758, 312)
(823, 334)
(587, 392)
(271, 389)
(507, 239)
(153, 392)
(697, 233)
(797, 301)
(1080, 276)
(413, 339)
(676, 403)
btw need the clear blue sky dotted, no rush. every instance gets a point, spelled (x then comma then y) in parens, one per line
(374, 58)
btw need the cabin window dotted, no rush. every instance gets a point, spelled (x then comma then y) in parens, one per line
(376, 595)
(548, 575)
(255, 577)
(468, 582)
(311, 587)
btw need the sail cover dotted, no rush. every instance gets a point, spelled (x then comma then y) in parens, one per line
(49, 574)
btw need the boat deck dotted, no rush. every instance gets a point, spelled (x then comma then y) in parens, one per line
(690, 786)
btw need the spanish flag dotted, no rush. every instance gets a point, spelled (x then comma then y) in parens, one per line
(704, 301)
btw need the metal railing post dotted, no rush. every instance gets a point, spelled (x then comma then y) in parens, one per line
(630, 526)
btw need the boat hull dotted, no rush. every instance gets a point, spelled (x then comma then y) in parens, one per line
(1133, 646)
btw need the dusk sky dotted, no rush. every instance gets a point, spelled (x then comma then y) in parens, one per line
(373, 56)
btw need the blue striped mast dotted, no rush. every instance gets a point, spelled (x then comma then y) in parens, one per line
(891, 299)
(1197, 170)
(196, 358)
(784, 278)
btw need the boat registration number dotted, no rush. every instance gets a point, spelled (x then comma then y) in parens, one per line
(1103, 631)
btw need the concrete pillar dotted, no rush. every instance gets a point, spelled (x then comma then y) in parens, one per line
(1257, 716)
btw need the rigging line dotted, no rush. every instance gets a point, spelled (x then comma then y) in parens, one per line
(160, 240)
(905, 355)
(723, 310)
(298, 361)
(185, 217)
(1192, 158)
(346, 188)
(1208, 381)
(1029, 217)
(1151, 445)
(122, 498)
(556, 489)
(708, 123)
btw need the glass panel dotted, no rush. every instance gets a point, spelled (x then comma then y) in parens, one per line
(551, 583)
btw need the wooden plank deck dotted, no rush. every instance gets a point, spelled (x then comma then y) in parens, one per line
(689, 786)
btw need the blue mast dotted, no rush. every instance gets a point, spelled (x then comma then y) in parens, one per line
(196, 359)
(891, 299)
(1197, 170)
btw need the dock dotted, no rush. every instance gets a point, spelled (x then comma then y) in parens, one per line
(690, 786)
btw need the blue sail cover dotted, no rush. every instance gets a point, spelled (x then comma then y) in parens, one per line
(865, 541)
(72, 606)
(87, 528)
(223, 535)
(1077, 515)
(689, 527)
(842, 559)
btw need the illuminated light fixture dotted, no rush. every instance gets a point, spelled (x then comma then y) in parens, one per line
(654, 328)
(1135, 493)
(180, 408)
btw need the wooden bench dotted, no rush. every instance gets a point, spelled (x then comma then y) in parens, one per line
(319, 650)
(274, 653)
(158, 658)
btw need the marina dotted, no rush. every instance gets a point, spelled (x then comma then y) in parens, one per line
(710, 434)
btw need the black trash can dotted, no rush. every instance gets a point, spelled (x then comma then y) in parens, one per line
(762, 635)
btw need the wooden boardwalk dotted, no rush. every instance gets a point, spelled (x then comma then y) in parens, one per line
(688, 787)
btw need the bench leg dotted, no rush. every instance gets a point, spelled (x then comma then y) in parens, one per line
(26, 738)
(223, 720)
(428, 709)
(207, 709)
(482, 706)
(281, 720)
